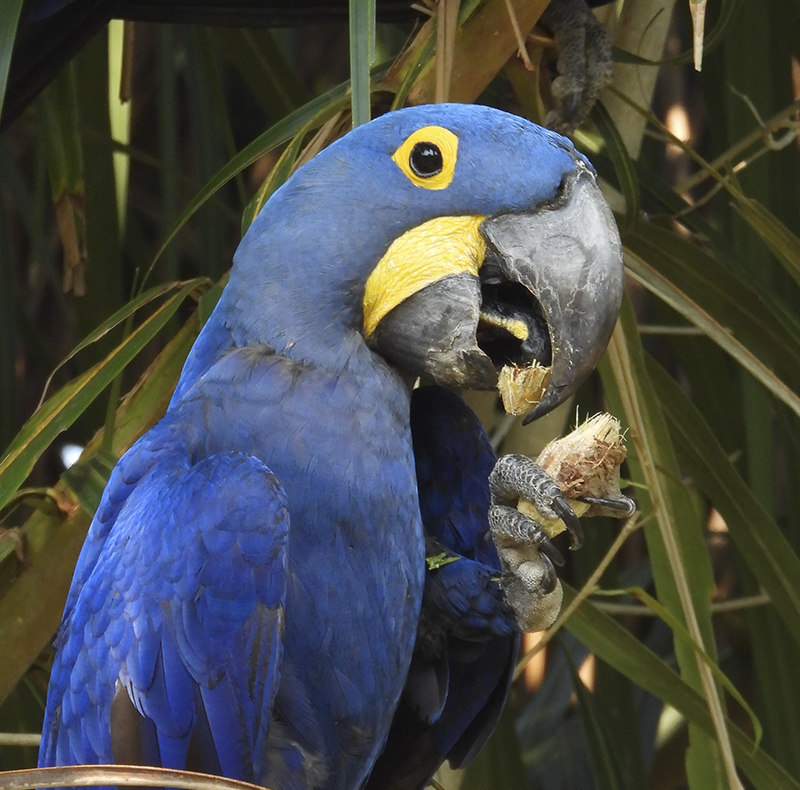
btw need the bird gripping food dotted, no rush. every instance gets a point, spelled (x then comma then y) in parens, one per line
(585, 463)
(252, 598)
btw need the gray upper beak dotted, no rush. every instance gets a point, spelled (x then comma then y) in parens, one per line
(569, 256)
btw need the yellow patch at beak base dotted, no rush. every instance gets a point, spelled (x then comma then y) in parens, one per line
(421, 256)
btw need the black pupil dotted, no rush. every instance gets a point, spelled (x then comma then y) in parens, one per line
(426, 160)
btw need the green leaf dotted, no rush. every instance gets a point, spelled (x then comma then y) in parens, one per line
(601, 751)
(58, 114)
(9, 17)
(712, 301)
(439, 560)
(10, 303)
(499, 764)
(63, 408)
(616, 646)
(623, 165)
(88, 477)
(32, 595)
(277, 176)
(319, 110)
(775, 234)
(680, 632)
(362, 54)
(759, 540)
(257, 56)
(208, 301)
(678, 557)
(125, 312)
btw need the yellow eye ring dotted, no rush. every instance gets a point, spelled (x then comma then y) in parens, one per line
(428, 157)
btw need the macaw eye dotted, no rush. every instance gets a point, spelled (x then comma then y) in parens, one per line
(428, 157)
(426, 160)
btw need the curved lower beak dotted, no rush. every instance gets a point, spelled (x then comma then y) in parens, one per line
(537, 317)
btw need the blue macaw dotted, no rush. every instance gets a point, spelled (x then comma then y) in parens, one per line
(253, 598)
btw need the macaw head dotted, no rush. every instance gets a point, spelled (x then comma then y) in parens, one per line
(460, 243)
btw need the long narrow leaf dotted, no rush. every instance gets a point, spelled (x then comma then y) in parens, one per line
(601, 751)
(681, 633)
(616, 646)
(321, 108)
(130, 309)
(738, 301)
(362, 52)
(642, 271)
(71, 401)
(9, 17)
(678, 557)
(256, 55)
(760, 542)
(32, 598)
(775, 234)
(623, 165)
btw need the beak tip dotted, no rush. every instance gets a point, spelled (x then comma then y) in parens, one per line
(552, 398)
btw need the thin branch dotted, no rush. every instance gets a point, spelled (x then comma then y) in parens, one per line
(720, 607)
(20, 738)
(658, 329)
(121, 775)
(522, 49)
(779, 121)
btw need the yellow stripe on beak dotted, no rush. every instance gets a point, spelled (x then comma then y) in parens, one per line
(421, 256)
(515, 327)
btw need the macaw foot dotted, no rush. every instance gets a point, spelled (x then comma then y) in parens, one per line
(584, 63)
(527, 555)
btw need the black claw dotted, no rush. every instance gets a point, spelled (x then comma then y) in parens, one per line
(550, 578)
(549, 551)
(625, 506)
(566, 514)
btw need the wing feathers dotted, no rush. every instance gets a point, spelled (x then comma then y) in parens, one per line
(171, 651)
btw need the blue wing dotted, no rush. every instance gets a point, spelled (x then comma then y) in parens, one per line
(467, 639)
(170, 648)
